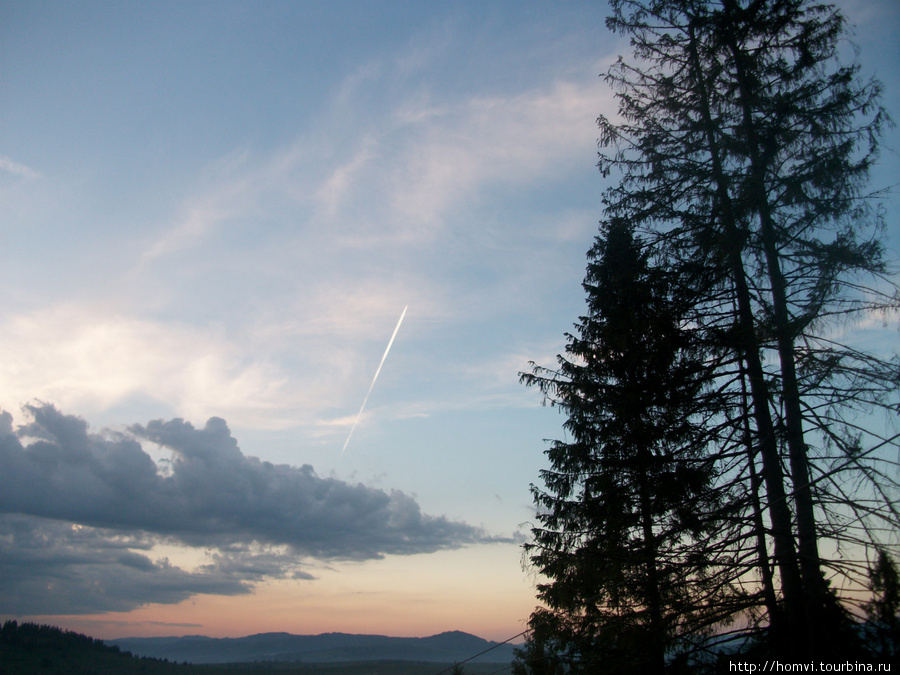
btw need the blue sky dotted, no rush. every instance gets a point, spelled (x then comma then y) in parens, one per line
(220, 210)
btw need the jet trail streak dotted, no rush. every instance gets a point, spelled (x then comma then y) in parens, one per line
(372, 386)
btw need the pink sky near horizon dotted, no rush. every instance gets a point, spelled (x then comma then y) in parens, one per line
(415, 596)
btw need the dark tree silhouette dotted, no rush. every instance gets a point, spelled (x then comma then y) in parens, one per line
(883, 627)
(622, 539)
(743, 149)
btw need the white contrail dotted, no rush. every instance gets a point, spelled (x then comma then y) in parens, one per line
(371, 386)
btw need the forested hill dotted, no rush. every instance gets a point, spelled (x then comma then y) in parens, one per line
(29, 648)
(447, 647)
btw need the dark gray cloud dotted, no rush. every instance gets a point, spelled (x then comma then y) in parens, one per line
(214, 495)
(257, 519)
(50, 567)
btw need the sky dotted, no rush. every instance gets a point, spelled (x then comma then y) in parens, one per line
(213, 217)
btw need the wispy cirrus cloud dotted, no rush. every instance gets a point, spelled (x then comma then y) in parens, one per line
(364, 213)
(402, 171)
(457, 152)
(359, 222)
(10, 166)
(268, 291)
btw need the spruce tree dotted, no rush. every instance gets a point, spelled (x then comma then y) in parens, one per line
(621, 503)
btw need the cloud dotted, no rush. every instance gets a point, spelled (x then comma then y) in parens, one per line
(432, 160)
(8, 165)
(266, 293)
(487, 141)
(79, 356)
(290, 367)
(52, 567)
(80, 513)
(229, 192)
(214, 495)
(394, 173)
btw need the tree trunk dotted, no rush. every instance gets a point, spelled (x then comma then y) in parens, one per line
(815, 589)
(748, 349)
(762, 553)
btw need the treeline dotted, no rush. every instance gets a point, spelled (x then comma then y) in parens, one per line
(29, 648)
(729, 478)
(32, 649)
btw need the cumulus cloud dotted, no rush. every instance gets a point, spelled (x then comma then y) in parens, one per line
(80, 510)
(214, 494)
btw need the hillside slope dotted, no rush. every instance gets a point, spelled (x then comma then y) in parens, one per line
(447, 647)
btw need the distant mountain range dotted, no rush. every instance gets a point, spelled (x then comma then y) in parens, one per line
(451, 647)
